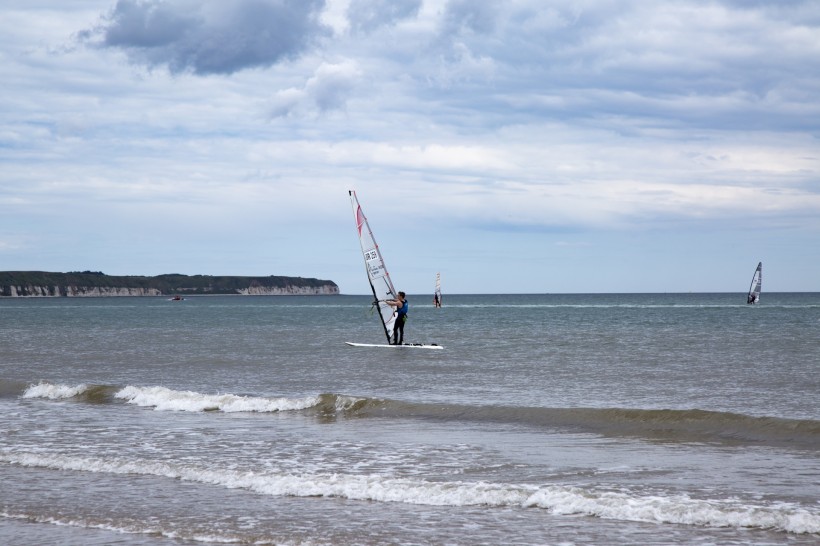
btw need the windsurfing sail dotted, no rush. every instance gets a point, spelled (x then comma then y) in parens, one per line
(754, 289)
(437, 293)
(377, 275)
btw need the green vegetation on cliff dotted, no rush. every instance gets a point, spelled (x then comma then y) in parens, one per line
(164, 284)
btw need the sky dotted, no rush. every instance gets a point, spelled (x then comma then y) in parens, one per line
(524, 146)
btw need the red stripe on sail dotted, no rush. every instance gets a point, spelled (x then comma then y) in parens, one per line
(359, 219)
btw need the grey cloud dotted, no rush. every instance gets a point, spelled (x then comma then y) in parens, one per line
(211, 36)
(328, 89)
(368, 15)
(479, 17)
(696, 63)
(332, 85)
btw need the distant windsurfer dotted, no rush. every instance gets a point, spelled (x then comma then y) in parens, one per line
(401, 305)
(436, 301)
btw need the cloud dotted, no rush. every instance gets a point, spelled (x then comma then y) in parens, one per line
(702, 64)
(210, 36)
(467, 15)
(328, 89)
(368, 15)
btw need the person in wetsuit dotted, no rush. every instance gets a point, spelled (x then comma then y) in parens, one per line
(401, 305)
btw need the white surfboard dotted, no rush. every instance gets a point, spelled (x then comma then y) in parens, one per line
(405, 346)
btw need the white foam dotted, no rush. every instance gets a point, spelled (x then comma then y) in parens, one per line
(558, 499)
(53, 392)
(132, 529)
(678, 509)
(346, 402)
(164, 399)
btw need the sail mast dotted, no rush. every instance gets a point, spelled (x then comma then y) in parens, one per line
(377, 275)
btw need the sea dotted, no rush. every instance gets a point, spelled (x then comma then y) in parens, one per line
(549, 419)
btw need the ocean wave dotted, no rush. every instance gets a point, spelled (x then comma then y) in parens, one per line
(164, 399)
(691, 425)
(54, 392)
(557, 499)
(12, 389)
(668, 425)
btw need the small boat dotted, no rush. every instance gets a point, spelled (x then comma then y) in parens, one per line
(754, 290)
(176, 298)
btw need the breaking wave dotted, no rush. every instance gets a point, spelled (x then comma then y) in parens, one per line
(557, 499)
(693, 425)
(54, 392)
(163, 399)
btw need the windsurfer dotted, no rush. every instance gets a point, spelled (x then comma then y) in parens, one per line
(401, 305)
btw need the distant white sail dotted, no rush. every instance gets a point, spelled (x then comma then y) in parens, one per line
(377, 274)
(437, 293)
(754, 289)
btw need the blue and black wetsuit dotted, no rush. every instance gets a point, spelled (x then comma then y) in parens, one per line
(398, 327)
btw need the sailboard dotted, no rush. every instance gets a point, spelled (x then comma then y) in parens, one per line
(437, 293)
(754, 289)
(380, 284)
(403, 346)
